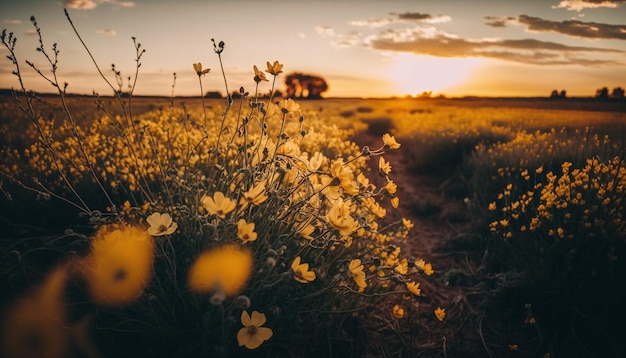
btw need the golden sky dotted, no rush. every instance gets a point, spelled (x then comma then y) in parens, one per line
(362, 48)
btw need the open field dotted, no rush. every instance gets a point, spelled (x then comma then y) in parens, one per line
(506, 213)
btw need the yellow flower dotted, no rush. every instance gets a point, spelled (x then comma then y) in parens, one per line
(36, 325)
(198, 68)
(275, 68)
(259, 75)
(358, 275)
(395, 202)
(402, 267)
(428, 269)
(301, 272)
(391, 187)
(389, 142)
(161, 224)
(252, 335)
(414, 288)
(226, 267)
(245, 231)
(289, 105)
(345, 176)
(119, 266)
(398, 312)
(492, 206)
(339, 217)
(218, 204)
(306, 231)
(384, 167)
(408, 224)
(440, 313)
(255, 195)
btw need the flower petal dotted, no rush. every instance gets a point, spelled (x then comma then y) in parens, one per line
(243, 337)
(258, 319)
(245, 318)
(265, 333)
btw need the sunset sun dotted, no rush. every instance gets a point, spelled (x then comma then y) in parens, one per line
(413, 74)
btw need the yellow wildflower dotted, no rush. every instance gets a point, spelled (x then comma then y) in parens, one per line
(389, 142)
(395, 202)
(408, 224)
(255, 195)
(345, 176)
(119, 266)
(339, 217)
(199, 71)
(218, 205)
(440, 313)
(384, 167)
(252, 335)
(301, 272)
(398, 312)
(414, 288)
(227, 268)
(35, 326)
(402, 267)
(358, 275)
(245, 231)
(161, 224)
(428, 269)
(306, 231)
(275, 68)
(258, 75)
(391, 187)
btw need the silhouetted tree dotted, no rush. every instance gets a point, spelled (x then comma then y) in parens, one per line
(602, 93)
(555, 94)
(213, 94)
(618, 92)
(302, 85)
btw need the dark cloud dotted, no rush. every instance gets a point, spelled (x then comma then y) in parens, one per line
(497, 21)
(575, 28)
(413, 16)
(529, 51)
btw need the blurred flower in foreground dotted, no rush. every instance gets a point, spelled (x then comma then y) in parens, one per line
(398, 312)
(440, 313)
(224, 268)
(301, 272)
(119, 266)
(35, 326)
(218, 205)
(252, 335)
(161, 224)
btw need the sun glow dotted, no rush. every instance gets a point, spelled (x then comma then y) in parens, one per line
(413, 75)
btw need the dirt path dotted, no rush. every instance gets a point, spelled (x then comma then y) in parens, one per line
(437, 220)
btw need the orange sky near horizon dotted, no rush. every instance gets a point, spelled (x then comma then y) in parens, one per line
(362, 48)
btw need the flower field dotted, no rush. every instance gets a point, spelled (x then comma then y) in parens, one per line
(262, 226)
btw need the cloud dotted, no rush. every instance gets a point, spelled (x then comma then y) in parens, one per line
(92, 4)
(373, 22)
(12, 22)
(107, 32)
(579, 5)
(497, 21)
(575, 28)
(528, 51)
(419, 17)
(325, 31)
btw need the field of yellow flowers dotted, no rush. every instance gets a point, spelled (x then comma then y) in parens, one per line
(262, 226)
